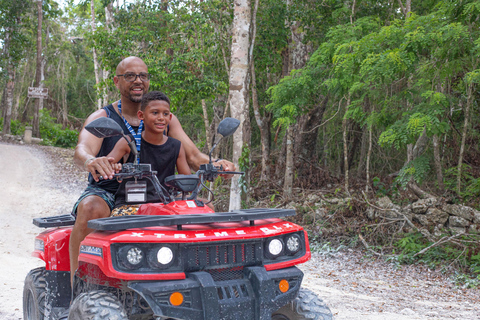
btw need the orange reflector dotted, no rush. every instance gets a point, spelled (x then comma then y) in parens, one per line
(284, 286)
(176, 298)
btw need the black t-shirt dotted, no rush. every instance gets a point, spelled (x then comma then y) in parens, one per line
(163, 159)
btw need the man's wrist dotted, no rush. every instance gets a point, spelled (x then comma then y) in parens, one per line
(87, 161)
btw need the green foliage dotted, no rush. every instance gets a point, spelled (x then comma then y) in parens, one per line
(416, 170)
(443, 255)
(244, 164)
(53, 134)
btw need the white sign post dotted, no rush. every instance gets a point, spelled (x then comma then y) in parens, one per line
(35, 92)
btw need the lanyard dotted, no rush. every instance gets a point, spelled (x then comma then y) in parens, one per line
(137, 135)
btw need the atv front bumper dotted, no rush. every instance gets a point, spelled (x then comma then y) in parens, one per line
(256, 296)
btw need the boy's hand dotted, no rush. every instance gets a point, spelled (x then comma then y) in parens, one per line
(101, 166)
(117, 167)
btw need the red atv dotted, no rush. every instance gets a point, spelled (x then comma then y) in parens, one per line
(175, 259)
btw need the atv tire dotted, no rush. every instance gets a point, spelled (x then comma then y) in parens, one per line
(34, 294)
(97, 305)
(307, 306)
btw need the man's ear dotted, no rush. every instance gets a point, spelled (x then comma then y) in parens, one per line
(115, 81)
(140, 115)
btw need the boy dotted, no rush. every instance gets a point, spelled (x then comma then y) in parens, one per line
(157, 149)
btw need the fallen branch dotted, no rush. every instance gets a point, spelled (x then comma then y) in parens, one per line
(439, 242)
(367, 246)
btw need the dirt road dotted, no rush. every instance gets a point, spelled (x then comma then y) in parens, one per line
(35, 183)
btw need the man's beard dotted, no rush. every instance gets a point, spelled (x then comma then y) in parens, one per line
(135, 99)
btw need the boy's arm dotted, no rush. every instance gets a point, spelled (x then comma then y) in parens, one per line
(182, 165)
(121, 150)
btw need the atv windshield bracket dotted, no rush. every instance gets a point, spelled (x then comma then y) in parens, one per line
(143, 221)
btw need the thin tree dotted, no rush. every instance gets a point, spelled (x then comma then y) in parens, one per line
(38, 73)
(238, 86)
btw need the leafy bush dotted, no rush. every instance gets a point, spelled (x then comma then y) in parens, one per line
(464, 253)
(53, 134)
(17, 128)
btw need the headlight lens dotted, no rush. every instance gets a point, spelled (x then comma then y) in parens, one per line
(165, 255)
(274, 247)
(293, 243)
(130, 257)
(134, 256)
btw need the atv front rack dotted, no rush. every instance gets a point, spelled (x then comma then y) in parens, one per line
(141, 221)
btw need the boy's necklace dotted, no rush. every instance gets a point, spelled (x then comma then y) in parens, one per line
(136, 135)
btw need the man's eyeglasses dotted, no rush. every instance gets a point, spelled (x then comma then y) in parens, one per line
(130, 76)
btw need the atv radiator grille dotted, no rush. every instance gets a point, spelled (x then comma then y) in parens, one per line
(223, 255)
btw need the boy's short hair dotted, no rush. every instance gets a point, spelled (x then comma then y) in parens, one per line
(153, 96)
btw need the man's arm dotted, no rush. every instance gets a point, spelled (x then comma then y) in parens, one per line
(194, 157)
(88, 147)
(182, 165)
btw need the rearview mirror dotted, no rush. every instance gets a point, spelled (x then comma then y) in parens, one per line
(228, 126)
(104, 128)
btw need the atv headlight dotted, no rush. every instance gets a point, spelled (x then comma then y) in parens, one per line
(161, 257)
(165, 255)
(130, 257)
(274, 247)
(292, 243)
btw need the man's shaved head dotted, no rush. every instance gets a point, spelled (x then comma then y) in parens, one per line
(125, 62)
(135, 89)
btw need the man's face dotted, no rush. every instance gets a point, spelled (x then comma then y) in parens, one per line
(134, 90)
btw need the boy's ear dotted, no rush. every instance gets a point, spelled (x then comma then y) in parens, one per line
(171, 115)
(140, 114)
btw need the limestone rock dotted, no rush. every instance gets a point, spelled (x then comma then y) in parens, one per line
(455, 221)
(371, 213)
(385, 203)
(457, 230)
(460, 211)
(421, 206)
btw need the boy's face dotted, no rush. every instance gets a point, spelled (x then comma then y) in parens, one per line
(156, 116)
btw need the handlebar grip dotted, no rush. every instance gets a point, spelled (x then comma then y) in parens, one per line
(231, 172)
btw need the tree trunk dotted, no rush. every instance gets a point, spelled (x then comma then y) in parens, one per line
(95, 59)
(238, 87)
(438, 162)
(9, 100)
(289, 165)
(464, 136)
(263, 123)
(345, 149)
(407, 8)
(208, 135)
(369, 153)
(38, 75)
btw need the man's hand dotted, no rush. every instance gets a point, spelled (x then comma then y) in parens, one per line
(101, 166)
(227, 166)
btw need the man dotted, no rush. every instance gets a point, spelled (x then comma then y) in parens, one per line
(132, 80)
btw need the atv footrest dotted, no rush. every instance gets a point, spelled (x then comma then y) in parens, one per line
(55, 221)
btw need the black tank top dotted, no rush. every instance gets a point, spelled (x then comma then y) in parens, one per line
(163, 159)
